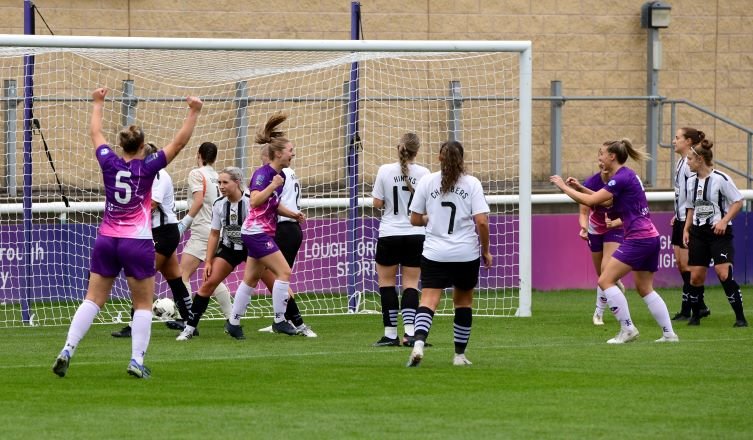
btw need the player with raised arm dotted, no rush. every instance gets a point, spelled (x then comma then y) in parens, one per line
(713, 201)
(685, 138)
(399, 244)
(166, 239)
(124, 240)
(203, 184)
(225, 249)
(451, 204)
(259, 228)
(639, 251)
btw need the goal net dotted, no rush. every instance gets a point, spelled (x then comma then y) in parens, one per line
(348, 103)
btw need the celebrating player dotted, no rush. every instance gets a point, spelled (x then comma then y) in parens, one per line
(713, 201)
(639, 251)
(289, 238)
(602, 231)
(259, 228)
(166, 239)
(124, 240)
(399, 243)
(451, 204)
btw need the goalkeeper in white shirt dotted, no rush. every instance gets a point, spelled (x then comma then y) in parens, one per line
(203, 183)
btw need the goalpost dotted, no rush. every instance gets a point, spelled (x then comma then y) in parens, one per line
(348, 101)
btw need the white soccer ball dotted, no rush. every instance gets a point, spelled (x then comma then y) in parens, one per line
(164, 309)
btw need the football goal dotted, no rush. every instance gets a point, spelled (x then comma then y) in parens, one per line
(348, 103)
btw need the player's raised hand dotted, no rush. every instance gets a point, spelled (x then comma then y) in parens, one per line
(99, 94)
(194, 103)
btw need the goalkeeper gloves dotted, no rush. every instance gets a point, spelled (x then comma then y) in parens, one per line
(184, 224)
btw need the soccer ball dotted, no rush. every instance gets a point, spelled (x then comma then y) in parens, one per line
(164, 309)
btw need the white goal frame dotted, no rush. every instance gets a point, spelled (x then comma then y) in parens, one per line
(523, 48)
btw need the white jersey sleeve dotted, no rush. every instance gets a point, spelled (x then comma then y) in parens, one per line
(163, 195)
(291, 194)
(391, 187)
(451, 231)
(206, 181)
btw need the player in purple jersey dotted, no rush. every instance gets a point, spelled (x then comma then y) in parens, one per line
(124, 241)
(639, 252)
(259, 229)
(602, 230)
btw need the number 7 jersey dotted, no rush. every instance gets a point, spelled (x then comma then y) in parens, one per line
(390, 186)
(451, 232)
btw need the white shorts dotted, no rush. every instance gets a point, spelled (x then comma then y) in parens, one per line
(196, 246)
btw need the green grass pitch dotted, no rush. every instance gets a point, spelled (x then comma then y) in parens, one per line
(549, 376)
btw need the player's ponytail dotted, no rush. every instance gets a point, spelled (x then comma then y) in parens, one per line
(406, 151)
(451, 163)
(272, 137)
(131, 139)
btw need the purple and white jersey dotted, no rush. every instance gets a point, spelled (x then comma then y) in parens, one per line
(263, 218)
(128, 193)
(597, 223)
(630, 204)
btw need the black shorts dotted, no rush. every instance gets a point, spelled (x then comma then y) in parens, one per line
(400, 249)
(289, 237)
(440, 275)
(234, 257)
(166, 239)
(677, 229)
(705, 245)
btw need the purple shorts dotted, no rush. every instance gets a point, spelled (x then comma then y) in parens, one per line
(596, 241)
(134, 255)
(259, 245)
(641, 254)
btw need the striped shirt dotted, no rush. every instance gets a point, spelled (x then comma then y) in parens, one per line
(682, 175)
(163, 195)
(711, 197)
(228, 217)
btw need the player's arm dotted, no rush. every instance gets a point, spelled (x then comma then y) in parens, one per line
(259, 197)
(378, 203)
(482, 227)
(212, 242)
(417, 219)
(721, 226)
(95, 125)
(289, 213)
(184, 134)
(583, 213)
(688, 224)
(590, 200)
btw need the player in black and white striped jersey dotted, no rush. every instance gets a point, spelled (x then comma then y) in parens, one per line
(451, 205)
(166, 239)
(399, 244)
(225, 249)
(685, 138)
(713, 202)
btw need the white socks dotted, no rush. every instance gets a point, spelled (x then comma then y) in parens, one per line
(141, 331)
(619, 306)
(222, 296)
(242, 298)
(659, 311)
(601, 301)
(280, 299)
(80, 324)
(390, 332)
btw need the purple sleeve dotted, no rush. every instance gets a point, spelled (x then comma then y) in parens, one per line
(104, 155)
(260, 180)
(594, 183)
(155, 162)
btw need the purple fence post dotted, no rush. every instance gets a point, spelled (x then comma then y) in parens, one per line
(353, 140)
(28, 116)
